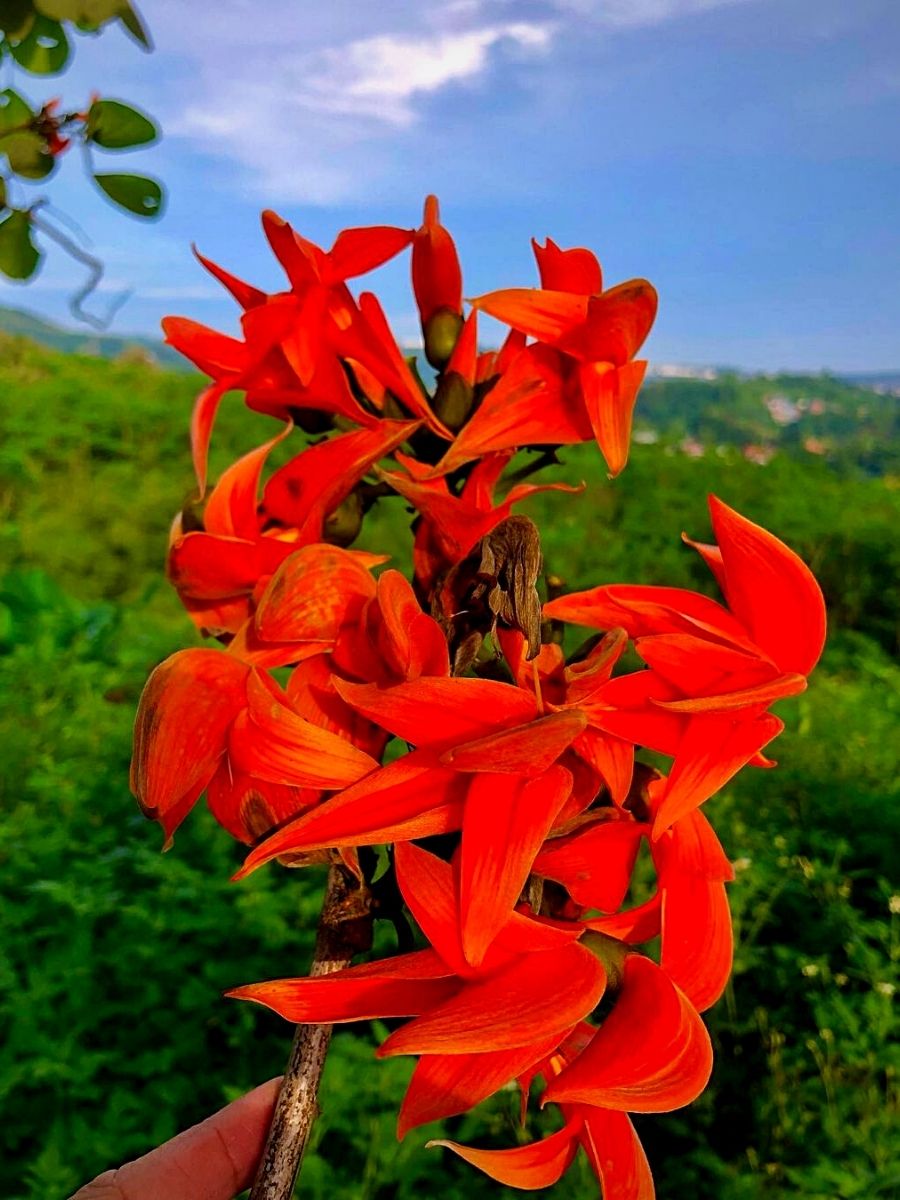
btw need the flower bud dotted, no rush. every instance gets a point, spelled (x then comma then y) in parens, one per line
(611, 952)
(453, 401)
(342, 526)
(441, 331)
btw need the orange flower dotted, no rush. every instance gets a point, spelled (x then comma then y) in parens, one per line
(713, 670)
(594, 333)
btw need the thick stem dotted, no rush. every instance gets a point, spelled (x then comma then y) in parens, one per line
(344, 930)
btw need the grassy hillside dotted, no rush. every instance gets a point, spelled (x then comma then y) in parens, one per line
(113, 958)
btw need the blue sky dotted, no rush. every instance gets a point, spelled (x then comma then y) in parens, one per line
(742, 154)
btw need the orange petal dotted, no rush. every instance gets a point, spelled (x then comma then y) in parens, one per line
(524, 750)
(206, 566)
(533, 997)
(358, 251)
(272, 742)
(303, 340)
(749, 697)
(214, 353)
(436, 276)
(537, 1165)
(232, 505)
(771, 590)
(697, 942)
(302, 493)
(374, 345)
(634, 926)
(246, 294)
(410, 798)
(202, 419)
(396, 987)
(312, 594)
(695, 665)
(527, 406)
(615, 1154)
(712, 750)
(609, 395)
(539, 313)
(303, 262)
(505, 822)
(430, 889)
(641, 610)
(436, 712)
(594, 864)
(576, 270)
(617, 324)
(612, 757)
(183, 716)
(665, 1066)
(443, 1085)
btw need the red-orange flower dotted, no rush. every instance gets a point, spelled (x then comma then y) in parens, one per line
(714, 671)
(594, 333)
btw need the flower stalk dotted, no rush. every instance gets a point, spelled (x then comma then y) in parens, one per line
(344, 931)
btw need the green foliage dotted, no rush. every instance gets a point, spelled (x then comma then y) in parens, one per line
(137, 194)
(113, 958)
(117, 126)
(35, 35)
(35, 30)
(19, 256)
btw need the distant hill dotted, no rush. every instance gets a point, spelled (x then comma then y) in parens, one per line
(851, 423)
(20, 322)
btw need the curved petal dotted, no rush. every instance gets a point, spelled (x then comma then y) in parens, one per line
(443, 1085)
(505, 822)
(537, 1165)
(524, 750)
(410, 798)
(397, 987)
(609, 395)
(273, 742)
(358, 251)
(246, 294)
(665, 1067)
(712, 750)
(434, 711)
(576, 270)
(312, 594)
(533, 997)
(771, 590)
(594, 864)
(616, 1154)
(538, 312)
(302, 493)
(186, 708)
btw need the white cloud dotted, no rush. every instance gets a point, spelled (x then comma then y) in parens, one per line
(380, 77)
(310, 107)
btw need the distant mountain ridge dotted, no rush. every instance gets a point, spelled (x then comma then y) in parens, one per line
(22, 323)
(19, 321)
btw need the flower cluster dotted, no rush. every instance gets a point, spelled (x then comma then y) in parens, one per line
(441, 718)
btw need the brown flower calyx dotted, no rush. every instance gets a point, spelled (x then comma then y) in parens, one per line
(495, 584)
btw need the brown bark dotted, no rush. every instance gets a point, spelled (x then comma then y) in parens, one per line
(344, 930)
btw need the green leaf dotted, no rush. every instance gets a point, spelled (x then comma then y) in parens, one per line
(136, 193)
(15, 112)
(2, 194)
(116, 126)
(135, 26)
(19, 256)
(16, 17)
(88, 15)
(27, 154)
(45, 50)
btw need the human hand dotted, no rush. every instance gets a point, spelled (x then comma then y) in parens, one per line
(214, 1160)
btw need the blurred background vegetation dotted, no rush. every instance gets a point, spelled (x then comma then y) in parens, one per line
(113, 958)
